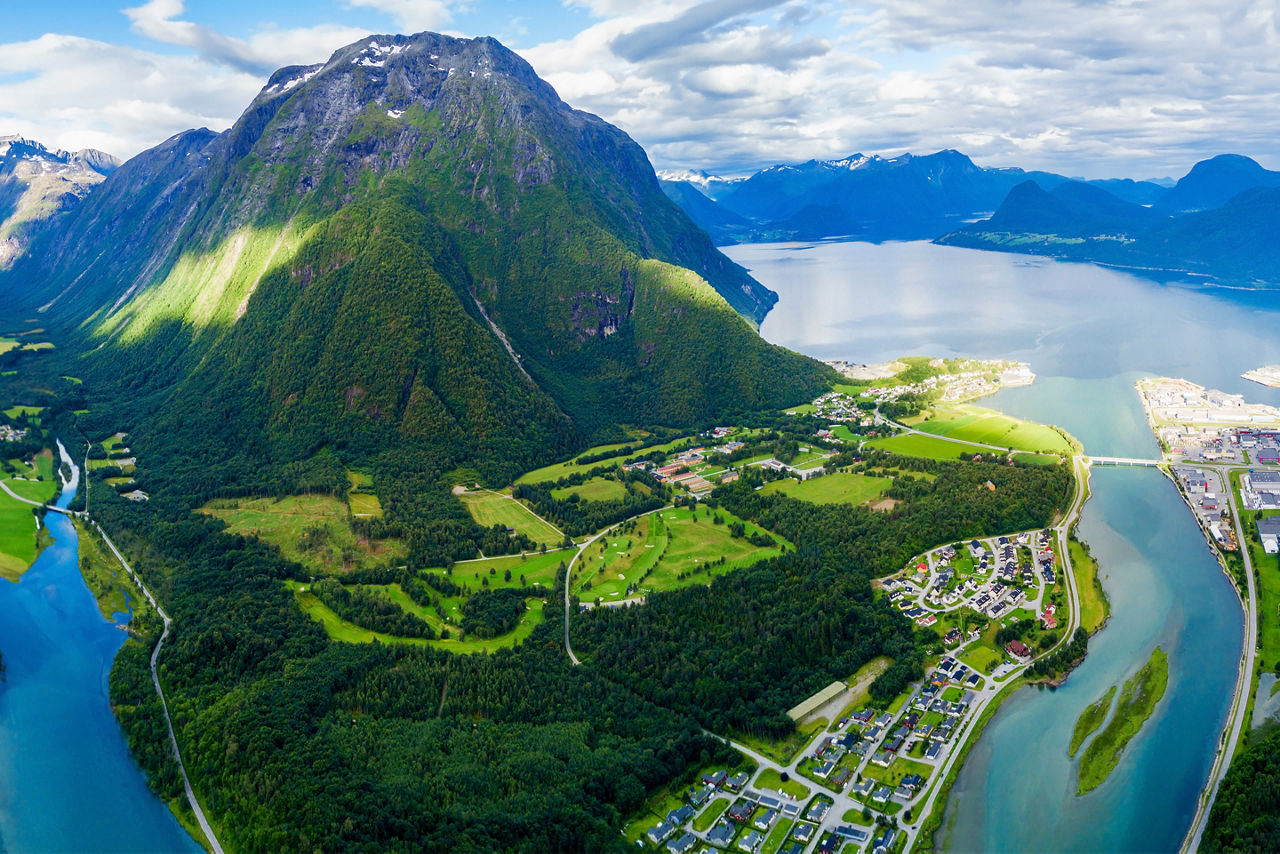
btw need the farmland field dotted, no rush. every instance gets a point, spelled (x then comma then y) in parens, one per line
(835, 488)
(596, 489)
(494, 508)
(929, 447)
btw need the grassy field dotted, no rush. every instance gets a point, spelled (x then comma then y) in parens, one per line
(1094, 607)
(929, 447)
(898, 768)
(860, 683)
(17, 537)
(1090, 719)
(494, 508)
(836, 488)
(1137, 701)
(982, 658)
(979, 424)
(785, 750)
(7, 344)
(777, 836)
(708, 816)
(15, 411)
(106, 579)
(340, 630)
(771, 779)
(668, 550)
(314, 530)
(361, 498)
(596, 489)
(555, 471)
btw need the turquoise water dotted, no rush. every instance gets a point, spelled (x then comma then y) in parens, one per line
(1088, 333)
(67, 781)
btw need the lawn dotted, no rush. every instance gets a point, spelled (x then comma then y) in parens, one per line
(836, 488)
(979, 424)
(929, 447)
(982, 657)
(596, 489)
(340, 630)
(1094, 607)
(777, 836)
(494, 508)
(708, 816)
(771, 779)
(314, 530)
(898, 768)
(668, 550)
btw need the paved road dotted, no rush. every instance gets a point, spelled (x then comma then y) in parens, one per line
(15, 495)
(155, 678)
(1244, 678)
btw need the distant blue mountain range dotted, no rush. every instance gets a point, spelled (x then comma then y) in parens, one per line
(1220, 220)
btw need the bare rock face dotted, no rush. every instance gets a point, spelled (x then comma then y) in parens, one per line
(37, 183)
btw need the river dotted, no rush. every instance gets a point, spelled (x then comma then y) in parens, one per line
(1089, 333)
(67, 780)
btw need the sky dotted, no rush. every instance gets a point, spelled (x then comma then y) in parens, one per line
(1092, 88)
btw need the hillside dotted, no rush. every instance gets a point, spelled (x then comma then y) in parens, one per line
(1231, 241)
(528, 285)
(37, 183)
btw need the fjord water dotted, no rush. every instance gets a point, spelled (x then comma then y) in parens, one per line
(1088, 333)
(67, 781)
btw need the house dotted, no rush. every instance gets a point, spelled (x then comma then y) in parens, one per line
(853, 834)
(766, 820)
(793, 848)
(882, 758)
(1269, 533)
(721, 834)
(863, 789)
(741, 811)
(737, 781)
(1018, 650)
(882, 795)
(885, 841)
(660, 832)
(933, 750)
(913, 781)
(698, 797)
(750, 842)
(817, 810)
(803, 831)
(904, 793)
(682, 845)
(824, 770)
(680, 815)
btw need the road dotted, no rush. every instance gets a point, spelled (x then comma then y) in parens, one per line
(15, 495)
(1244, 678)
(568, 575)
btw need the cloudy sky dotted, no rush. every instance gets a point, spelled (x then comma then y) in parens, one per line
(1084, 87)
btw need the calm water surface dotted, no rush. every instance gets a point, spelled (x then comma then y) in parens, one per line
(1088, 333)
(67, 781)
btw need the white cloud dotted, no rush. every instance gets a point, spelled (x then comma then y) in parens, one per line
(413, 16)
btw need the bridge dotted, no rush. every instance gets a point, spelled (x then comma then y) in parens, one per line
(1125, 461)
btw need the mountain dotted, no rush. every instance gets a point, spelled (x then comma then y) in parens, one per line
(414, 241)
(870, 197)
(1233, 241)
(1212, 183)
(722, 224)
(37, 183)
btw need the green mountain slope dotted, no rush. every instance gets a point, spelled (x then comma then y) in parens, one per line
(239, 266)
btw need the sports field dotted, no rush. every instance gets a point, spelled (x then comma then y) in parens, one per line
(836, 488)
(672, 548)
(494, 508)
